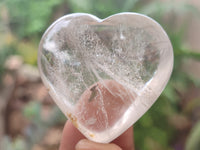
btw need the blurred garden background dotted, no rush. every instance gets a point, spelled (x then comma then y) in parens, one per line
(29, 119)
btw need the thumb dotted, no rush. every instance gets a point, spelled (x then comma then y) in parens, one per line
(89, 145)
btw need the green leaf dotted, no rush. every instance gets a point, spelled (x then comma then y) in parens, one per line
(170, 93)
(193, 141)
(188, 53)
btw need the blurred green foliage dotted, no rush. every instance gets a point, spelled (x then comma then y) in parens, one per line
(7, 51)
(17, 144)
(102, 8)
(193, 142)
(29, 18)
(24, 21)
(39, 125)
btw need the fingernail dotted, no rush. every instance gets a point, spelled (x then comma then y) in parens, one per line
(89, 145)
(84, 145)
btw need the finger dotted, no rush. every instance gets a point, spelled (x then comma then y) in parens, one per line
(89, 145)
(70, 137)
(125, 141)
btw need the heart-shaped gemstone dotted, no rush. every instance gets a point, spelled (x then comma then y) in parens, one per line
(105, 74)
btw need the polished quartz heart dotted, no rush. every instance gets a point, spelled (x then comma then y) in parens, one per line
(105, 74)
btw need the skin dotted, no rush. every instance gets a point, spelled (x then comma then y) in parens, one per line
(72, 139)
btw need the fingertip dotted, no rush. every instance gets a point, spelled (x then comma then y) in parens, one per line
(85, 144)
(82, 145)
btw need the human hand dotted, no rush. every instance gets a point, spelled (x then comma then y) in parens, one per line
(72, 139)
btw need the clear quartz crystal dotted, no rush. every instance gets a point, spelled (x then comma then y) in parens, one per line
(81, 57)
